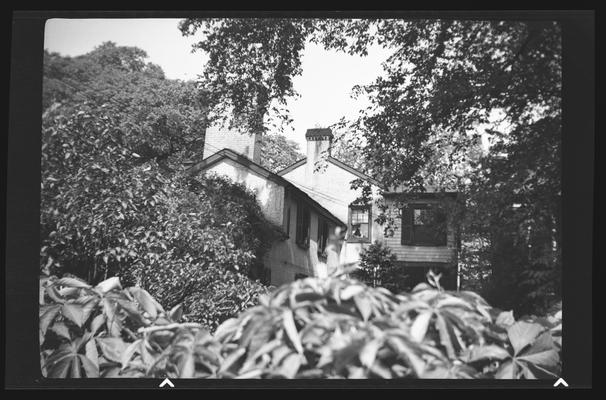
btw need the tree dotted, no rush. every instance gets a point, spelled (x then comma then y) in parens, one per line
(113, 202)
(251, 65)
(278, 152)
(378, 269)
(348, 148)
(447, 85)
(161, 119)
(444, 80)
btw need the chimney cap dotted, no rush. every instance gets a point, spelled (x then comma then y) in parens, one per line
(318, 133)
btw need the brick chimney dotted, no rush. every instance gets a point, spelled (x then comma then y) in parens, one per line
(218, 137)
(318, 148)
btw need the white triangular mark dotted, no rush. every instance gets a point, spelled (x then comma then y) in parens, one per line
(169, 383)
(560, 382)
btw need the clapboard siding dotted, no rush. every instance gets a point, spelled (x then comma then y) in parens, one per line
(429, 254)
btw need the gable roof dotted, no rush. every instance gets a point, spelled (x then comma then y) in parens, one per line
(264, 172)
(337, 163)
(319, 133)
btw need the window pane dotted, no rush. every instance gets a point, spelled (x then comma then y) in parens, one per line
(429, 227)
(360, 230)
(359, 216)
(423, 216)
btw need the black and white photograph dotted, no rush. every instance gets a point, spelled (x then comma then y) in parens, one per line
(302, 197)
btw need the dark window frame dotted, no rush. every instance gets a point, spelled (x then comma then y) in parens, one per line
(408, 235)
(303, 225)
(323, 233)
(287, 228)
(350, 237)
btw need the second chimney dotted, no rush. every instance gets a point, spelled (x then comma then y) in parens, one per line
(318, 148)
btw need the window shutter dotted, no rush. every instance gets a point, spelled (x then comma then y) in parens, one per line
(298, 226)
(407, 214)
(441, 239)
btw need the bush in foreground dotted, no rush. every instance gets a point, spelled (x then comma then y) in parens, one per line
(311, 328)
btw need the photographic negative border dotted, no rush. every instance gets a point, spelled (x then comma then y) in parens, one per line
(23, 200)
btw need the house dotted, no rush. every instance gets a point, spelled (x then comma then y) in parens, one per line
(328, 181)
(420, 235)
(313, 196)
(305, 222)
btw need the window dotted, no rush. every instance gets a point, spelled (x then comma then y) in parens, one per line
(359, 223)
(288, 221)
(302, 235)
(323, 232)
(423, 225)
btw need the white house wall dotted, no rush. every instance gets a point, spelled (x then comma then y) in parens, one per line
(332, 188)
(270, 195)
(286, 258)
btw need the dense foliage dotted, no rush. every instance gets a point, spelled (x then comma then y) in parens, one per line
(311, 328)
(250, 66)
(378, 268)
(113, 201)
(160, 119)
(277, 152)
(466, 106)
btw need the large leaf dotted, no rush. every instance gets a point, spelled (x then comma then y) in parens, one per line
(47, 316)
(129, 351)
(112, 348)
(226, 328)
(363, 306)
(231, 360)
(290, 366)
(506, 371)
(90, 367)
(420, 325)
(522, 333)
(91, 351)
(79, 313)
(176, 313)
(72, 282)
(505, 319)
(351, 291)
(368, 353)
(145, 301)
(109, 285)
(112, 319)
(490, 351)
(59, 363)
(542, 352)
(410, 353)
(291, 331)
(61, 330)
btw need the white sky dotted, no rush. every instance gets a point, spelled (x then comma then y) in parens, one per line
(324, 86)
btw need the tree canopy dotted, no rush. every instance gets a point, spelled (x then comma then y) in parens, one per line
(467, 106)
(161, 119)
(115, 133)
(278, 152)
(251, 65)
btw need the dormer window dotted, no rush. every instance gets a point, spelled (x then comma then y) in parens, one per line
(359, 223)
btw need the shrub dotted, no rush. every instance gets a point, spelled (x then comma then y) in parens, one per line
(311, 328)
(105, 213)
(377, 268)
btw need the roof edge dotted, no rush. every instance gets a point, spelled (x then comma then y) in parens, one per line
(292, 166)
(245, 161)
